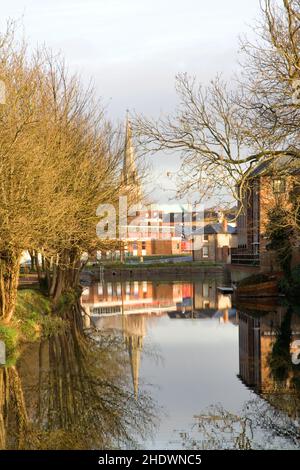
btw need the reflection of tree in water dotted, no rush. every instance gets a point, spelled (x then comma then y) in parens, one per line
(285, 375)
(282, 368)
(269, 421)
(12, 398)
(218, 429)
(258, 426)
(75, 394)
(280, 357)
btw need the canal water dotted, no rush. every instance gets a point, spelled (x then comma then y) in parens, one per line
(211, 369)
(167, 365)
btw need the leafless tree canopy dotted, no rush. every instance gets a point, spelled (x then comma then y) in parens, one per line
(223, 131)
(59, 159)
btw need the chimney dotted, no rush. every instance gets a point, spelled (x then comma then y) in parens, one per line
(223, 221)
(225, 224)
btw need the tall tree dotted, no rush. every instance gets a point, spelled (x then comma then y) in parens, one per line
(222, 132)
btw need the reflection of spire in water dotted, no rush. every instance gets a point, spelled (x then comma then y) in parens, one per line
(135, 345)
(134, 331)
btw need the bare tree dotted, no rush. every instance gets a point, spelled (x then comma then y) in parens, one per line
(222, 132)
(20, 165)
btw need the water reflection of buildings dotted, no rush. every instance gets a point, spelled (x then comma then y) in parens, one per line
(178, 300)
(205, 300)
(258, 333)
(127, 307)
(129, 298)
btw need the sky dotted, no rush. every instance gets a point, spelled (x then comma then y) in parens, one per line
(132, 50)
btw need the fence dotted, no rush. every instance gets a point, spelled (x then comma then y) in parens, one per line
(244, 258)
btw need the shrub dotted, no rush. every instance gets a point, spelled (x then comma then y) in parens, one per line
(52, 325)
(34, 315)
(291, 286)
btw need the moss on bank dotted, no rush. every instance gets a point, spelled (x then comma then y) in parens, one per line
(32, 321)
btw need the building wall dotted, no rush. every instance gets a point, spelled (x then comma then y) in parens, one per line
(216, 248)
(165, 247)
(207, 248)
(242, 222)
(205, 295)
(253, 220)
(154, 247)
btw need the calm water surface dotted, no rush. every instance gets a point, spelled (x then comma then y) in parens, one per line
(168, 364)
(197, 356)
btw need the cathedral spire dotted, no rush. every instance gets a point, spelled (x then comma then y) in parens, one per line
(129, 167)
(130, 177)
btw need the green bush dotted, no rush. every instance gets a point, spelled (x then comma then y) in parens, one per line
(291, 286)
(31, 304)
(34, 315)
(52, 325)
(280, 234)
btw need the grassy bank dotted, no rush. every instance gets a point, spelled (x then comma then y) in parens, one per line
(31, 322)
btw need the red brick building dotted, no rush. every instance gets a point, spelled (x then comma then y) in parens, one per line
(268, 187)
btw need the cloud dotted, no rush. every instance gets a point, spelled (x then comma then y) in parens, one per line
(133, 48)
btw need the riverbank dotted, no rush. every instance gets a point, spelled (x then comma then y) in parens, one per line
(32, 321)
(275, 284)
(151, 271)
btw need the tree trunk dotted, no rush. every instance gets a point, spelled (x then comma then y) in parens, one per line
(32, 260)
(37, 264)
(48, 274)
(9, 279)
(59, 284)
(66, 275)
(43, 263)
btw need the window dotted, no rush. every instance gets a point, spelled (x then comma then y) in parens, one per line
(109, 288)
(100, 288)
(205, 252)
(205, 290)
(279, 186)
(205, 238)
(136, 289)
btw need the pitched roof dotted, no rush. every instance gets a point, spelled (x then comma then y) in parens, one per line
(214, 229)
(282, 163)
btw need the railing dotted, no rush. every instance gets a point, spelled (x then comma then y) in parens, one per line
(245, 259)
